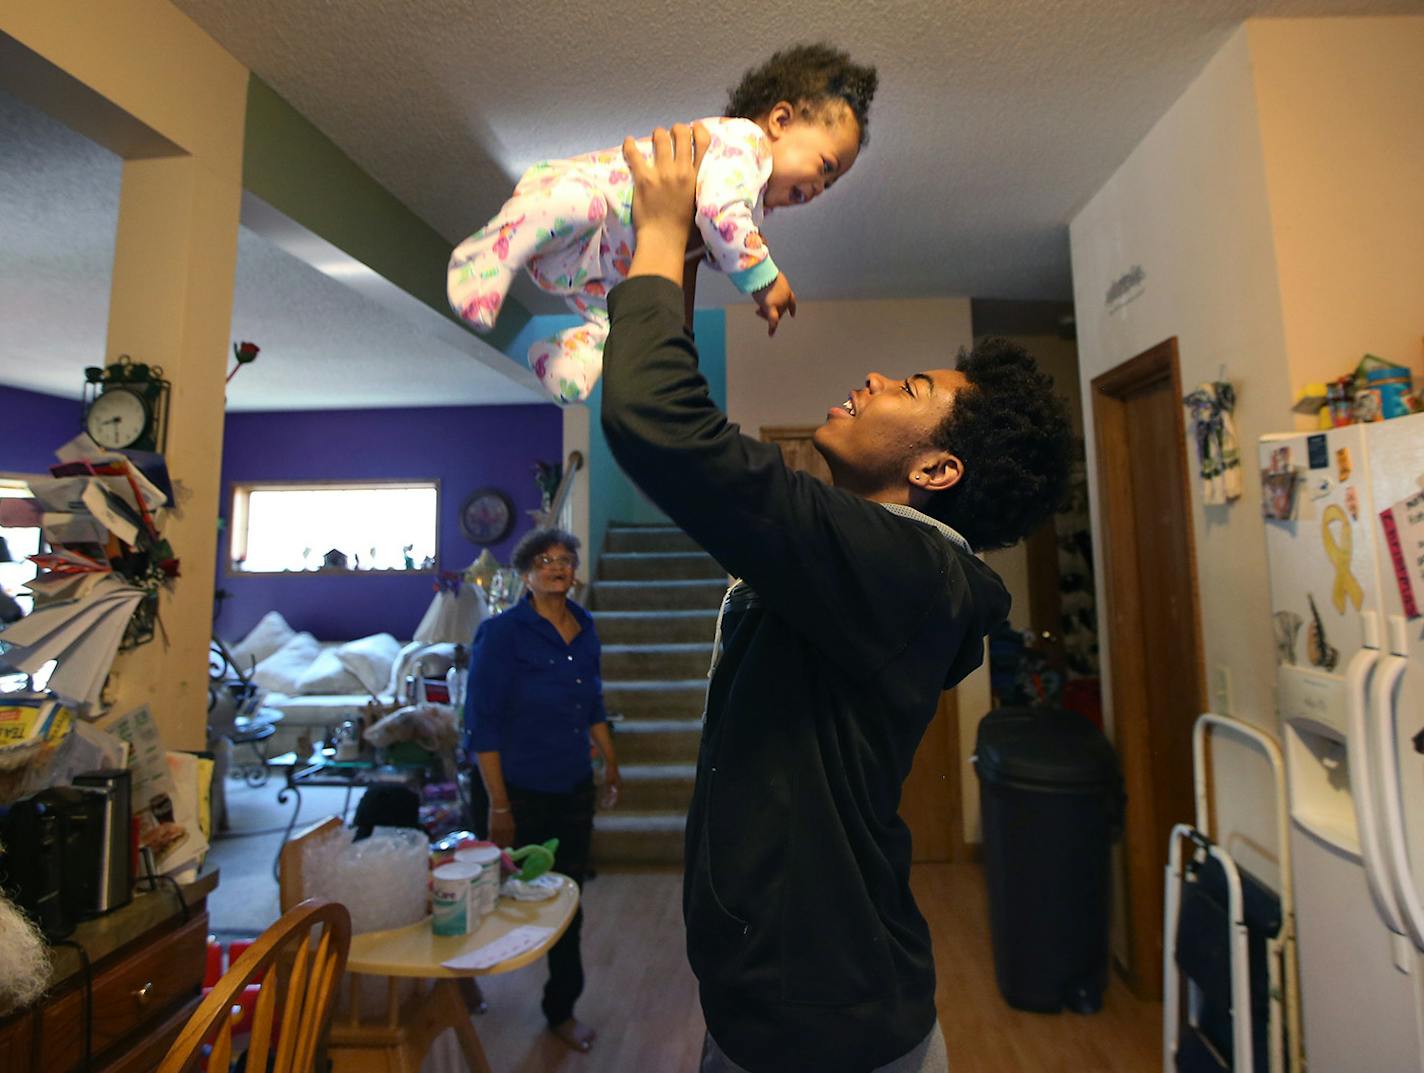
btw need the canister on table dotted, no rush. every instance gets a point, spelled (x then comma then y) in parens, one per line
(487, 885)
(453, 898)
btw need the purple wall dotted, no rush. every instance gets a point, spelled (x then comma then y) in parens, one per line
(32, 426)
(464, 447)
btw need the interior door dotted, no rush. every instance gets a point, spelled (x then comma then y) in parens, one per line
(1153, 626)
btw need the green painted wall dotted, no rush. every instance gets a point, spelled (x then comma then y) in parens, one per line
(300, 172)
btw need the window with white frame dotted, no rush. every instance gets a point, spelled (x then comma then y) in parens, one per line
(369, 525)
(21, 544)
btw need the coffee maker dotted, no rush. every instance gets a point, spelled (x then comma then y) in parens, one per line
(109, 844)
(67, 851)
(43, 836)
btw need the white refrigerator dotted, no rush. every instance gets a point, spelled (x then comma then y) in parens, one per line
(1347, 600)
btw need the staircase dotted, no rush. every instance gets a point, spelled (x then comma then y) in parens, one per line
(655, 605)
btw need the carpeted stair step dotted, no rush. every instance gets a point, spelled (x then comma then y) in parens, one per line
(657, 741)
(658, 595)
(624, 838)
(655, 627)
(656, 661)
(623, 538)
(673, 698)
(660, 566)
(656, 787)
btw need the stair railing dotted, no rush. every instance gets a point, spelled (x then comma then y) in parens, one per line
(560, 511)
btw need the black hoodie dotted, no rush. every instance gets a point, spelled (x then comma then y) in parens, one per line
(850, 620)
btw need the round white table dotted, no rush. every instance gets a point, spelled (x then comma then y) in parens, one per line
(416, 951)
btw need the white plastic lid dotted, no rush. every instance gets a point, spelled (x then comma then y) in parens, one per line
(457, 870)
(478, 854)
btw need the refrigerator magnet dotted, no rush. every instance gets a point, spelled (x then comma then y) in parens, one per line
(1278, 493)
(1342, 463)
(1340, 549)
(1321, 485)
(1287, 625)
(1317, 450)
(1352, 504)
(1317, 647)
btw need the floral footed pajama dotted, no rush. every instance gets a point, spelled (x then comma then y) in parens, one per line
(575, 240)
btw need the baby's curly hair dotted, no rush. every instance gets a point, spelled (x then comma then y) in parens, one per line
(1013, 435)
(810, 77)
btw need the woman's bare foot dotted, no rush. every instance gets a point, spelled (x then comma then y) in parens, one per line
(576, 1035)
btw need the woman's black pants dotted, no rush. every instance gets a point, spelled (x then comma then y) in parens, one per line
(568, 817)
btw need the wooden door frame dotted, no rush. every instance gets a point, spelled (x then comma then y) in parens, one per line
(1142, 855)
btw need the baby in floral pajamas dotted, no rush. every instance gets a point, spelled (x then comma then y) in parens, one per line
(793, 127)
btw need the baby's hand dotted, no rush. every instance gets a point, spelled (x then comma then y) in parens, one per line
(773, 300)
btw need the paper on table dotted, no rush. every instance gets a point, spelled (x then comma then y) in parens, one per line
(188, 851)
(90, 749)
(152, 784)
(509, 945)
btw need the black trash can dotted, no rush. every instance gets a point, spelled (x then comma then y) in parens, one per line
(1051, 796)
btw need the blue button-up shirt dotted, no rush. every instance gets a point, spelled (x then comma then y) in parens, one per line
(532, 698)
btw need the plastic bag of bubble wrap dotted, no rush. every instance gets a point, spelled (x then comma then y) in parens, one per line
(383, 880)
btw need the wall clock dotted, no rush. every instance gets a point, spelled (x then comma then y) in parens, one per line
(487, 516)
(126, 406)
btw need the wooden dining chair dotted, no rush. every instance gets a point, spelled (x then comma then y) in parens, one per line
(297, 978)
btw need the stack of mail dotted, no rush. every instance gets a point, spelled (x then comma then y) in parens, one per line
(80, 633)
(101, 513)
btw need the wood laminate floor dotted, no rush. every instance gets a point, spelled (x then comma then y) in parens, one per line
(642, 998)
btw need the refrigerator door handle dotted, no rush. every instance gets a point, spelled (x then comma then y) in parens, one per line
(1401, 875)
(1363, 783)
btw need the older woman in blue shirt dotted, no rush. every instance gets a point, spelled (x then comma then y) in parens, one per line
(534, 702)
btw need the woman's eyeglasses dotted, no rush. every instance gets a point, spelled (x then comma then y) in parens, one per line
(546, 561)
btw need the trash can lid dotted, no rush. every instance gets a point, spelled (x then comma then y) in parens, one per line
(1044, 746)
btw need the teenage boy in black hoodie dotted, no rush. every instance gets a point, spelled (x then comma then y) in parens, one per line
(857, 605)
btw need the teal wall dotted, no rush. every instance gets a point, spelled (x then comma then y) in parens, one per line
(612, 496)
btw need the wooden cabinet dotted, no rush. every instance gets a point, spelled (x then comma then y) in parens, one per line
(147, 965)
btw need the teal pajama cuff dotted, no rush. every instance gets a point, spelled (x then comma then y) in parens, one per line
(755, 278)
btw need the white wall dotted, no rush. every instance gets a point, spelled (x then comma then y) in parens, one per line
(1341, 103)
(815, 359)
(811, 364)
(1278, 212)
(1190, 207)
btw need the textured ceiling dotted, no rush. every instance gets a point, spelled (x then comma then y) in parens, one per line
(995, 120)
(324, 345)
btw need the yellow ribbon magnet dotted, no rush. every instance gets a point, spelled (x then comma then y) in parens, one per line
(1340, 554)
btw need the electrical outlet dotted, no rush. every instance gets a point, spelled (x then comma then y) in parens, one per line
(1221, 690)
